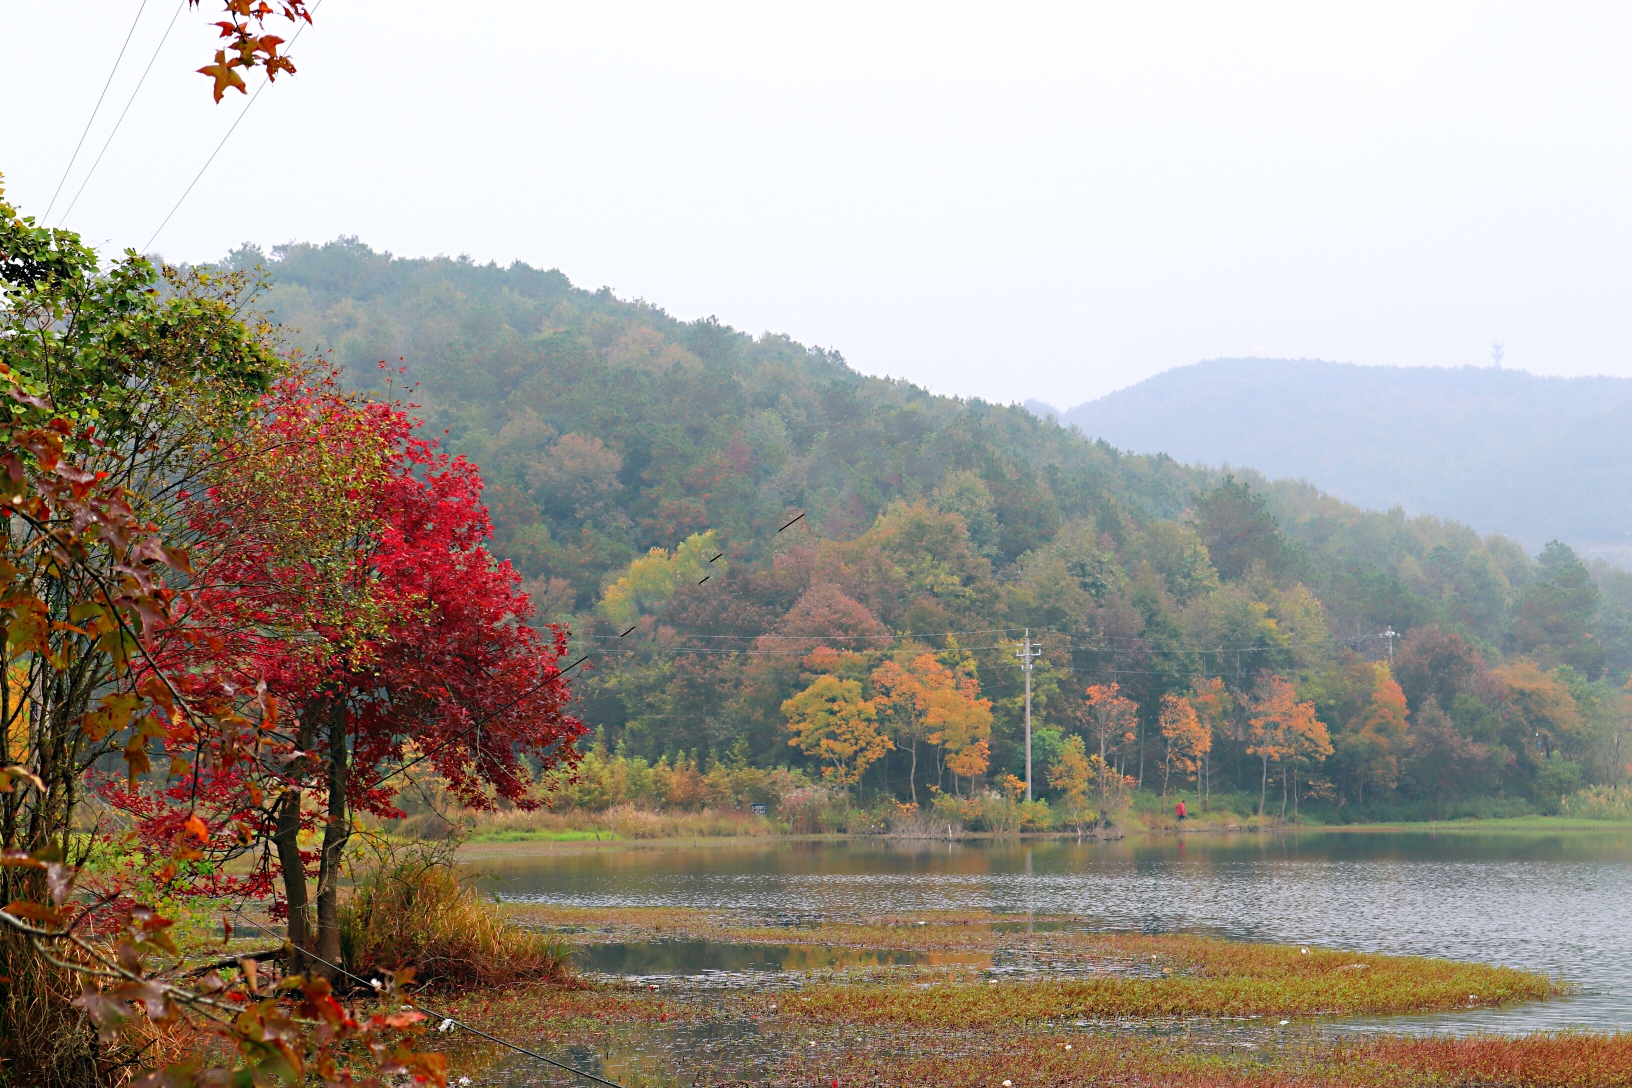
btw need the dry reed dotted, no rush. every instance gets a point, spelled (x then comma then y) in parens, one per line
(411, 909)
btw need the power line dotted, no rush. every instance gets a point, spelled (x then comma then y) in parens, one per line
(264, 85)
(92, 118)
(128, 103)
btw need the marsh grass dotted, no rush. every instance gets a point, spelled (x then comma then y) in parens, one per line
(409, 908)
(1194, 976)
(618, 1021)
(1137, 974)
(1123, 1061)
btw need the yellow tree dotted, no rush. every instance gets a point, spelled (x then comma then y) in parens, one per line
(962, 725)
(1283, 731)
(901, 693)
(1309, 742)
(1370, 747)
(1185, 741)
(831, 721)
(1071, 775)
(1540, 704)
(1273, 705)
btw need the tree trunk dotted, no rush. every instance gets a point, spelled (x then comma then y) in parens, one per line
(286, 838)
(912, 774)
(1139, 732)
(1283, 794)
(1263, 787)
(335, 833)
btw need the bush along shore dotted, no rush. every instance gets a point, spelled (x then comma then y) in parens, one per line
(624, 798)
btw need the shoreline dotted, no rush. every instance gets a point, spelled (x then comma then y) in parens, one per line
(1529, 825)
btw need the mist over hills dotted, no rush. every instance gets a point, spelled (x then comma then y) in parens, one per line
(1535, 458)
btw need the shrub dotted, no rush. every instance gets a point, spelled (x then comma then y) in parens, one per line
(814, 810)
(409, 908)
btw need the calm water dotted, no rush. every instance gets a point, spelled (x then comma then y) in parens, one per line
(1561, 903)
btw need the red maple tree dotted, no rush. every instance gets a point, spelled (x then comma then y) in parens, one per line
(342, 569)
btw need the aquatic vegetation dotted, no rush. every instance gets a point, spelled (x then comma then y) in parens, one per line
(1261, 990)
(751, 1041)
(1098, 1009)
(1552, 1060)
(1545, 1061)
(1132, 974)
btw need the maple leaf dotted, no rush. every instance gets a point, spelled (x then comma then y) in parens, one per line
(196, 827)
(222, 72)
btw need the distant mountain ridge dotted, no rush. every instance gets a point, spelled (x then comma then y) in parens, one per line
(1504, 451)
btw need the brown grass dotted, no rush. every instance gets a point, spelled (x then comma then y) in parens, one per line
(410, 909)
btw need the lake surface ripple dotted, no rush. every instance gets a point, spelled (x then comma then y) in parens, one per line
(1559, 903)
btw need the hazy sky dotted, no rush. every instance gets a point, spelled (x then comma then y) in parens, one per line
(1005, 200)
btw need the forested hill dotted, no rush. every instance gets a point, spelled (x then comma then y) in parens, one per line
(607, 429)
(1505, 451)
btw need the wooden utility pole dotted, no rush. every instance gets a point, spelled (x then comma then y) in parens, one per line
(1026, 654)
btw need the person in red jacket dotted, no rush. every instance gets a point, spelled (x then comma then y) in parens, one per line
(1179, 810)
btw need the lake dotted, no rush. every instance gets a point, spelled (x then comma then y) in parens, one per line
(1560, 902)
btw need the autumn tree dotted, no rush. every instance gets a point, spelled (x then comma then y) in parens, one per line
(76, 533)
(832, 722)
(1310, 744)
(1071, 776)
(962, 725)
(1185, 740)
(1372, 745)
(1541, 715)
(1283, 731)
(1109, 715)
(902, 696)
(1215, 709)
(345, 568)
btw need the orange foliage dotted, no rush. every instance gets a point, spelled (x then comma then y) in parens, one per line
(1185, 740)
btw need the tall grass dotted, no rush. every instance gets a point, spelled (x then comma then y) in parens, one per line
(1600, 803)
(46, 1040)
(409, 908)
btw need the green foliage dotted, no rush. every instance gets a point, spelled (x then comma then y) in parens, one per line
(608, 429)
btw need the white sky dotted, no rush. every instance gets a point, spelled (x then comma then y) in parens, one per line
(1006, 200)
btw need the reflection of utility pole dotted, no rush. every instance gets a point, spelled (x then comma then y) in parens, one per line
(1391, 635)
(1026, 654)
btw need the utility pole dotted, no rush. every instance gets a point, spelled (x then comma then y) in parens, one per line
(1391, 635)
(1026, 654)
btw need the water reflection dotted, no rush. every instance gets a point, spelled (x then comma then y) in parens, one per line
(1560, 903)
(703, 959)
